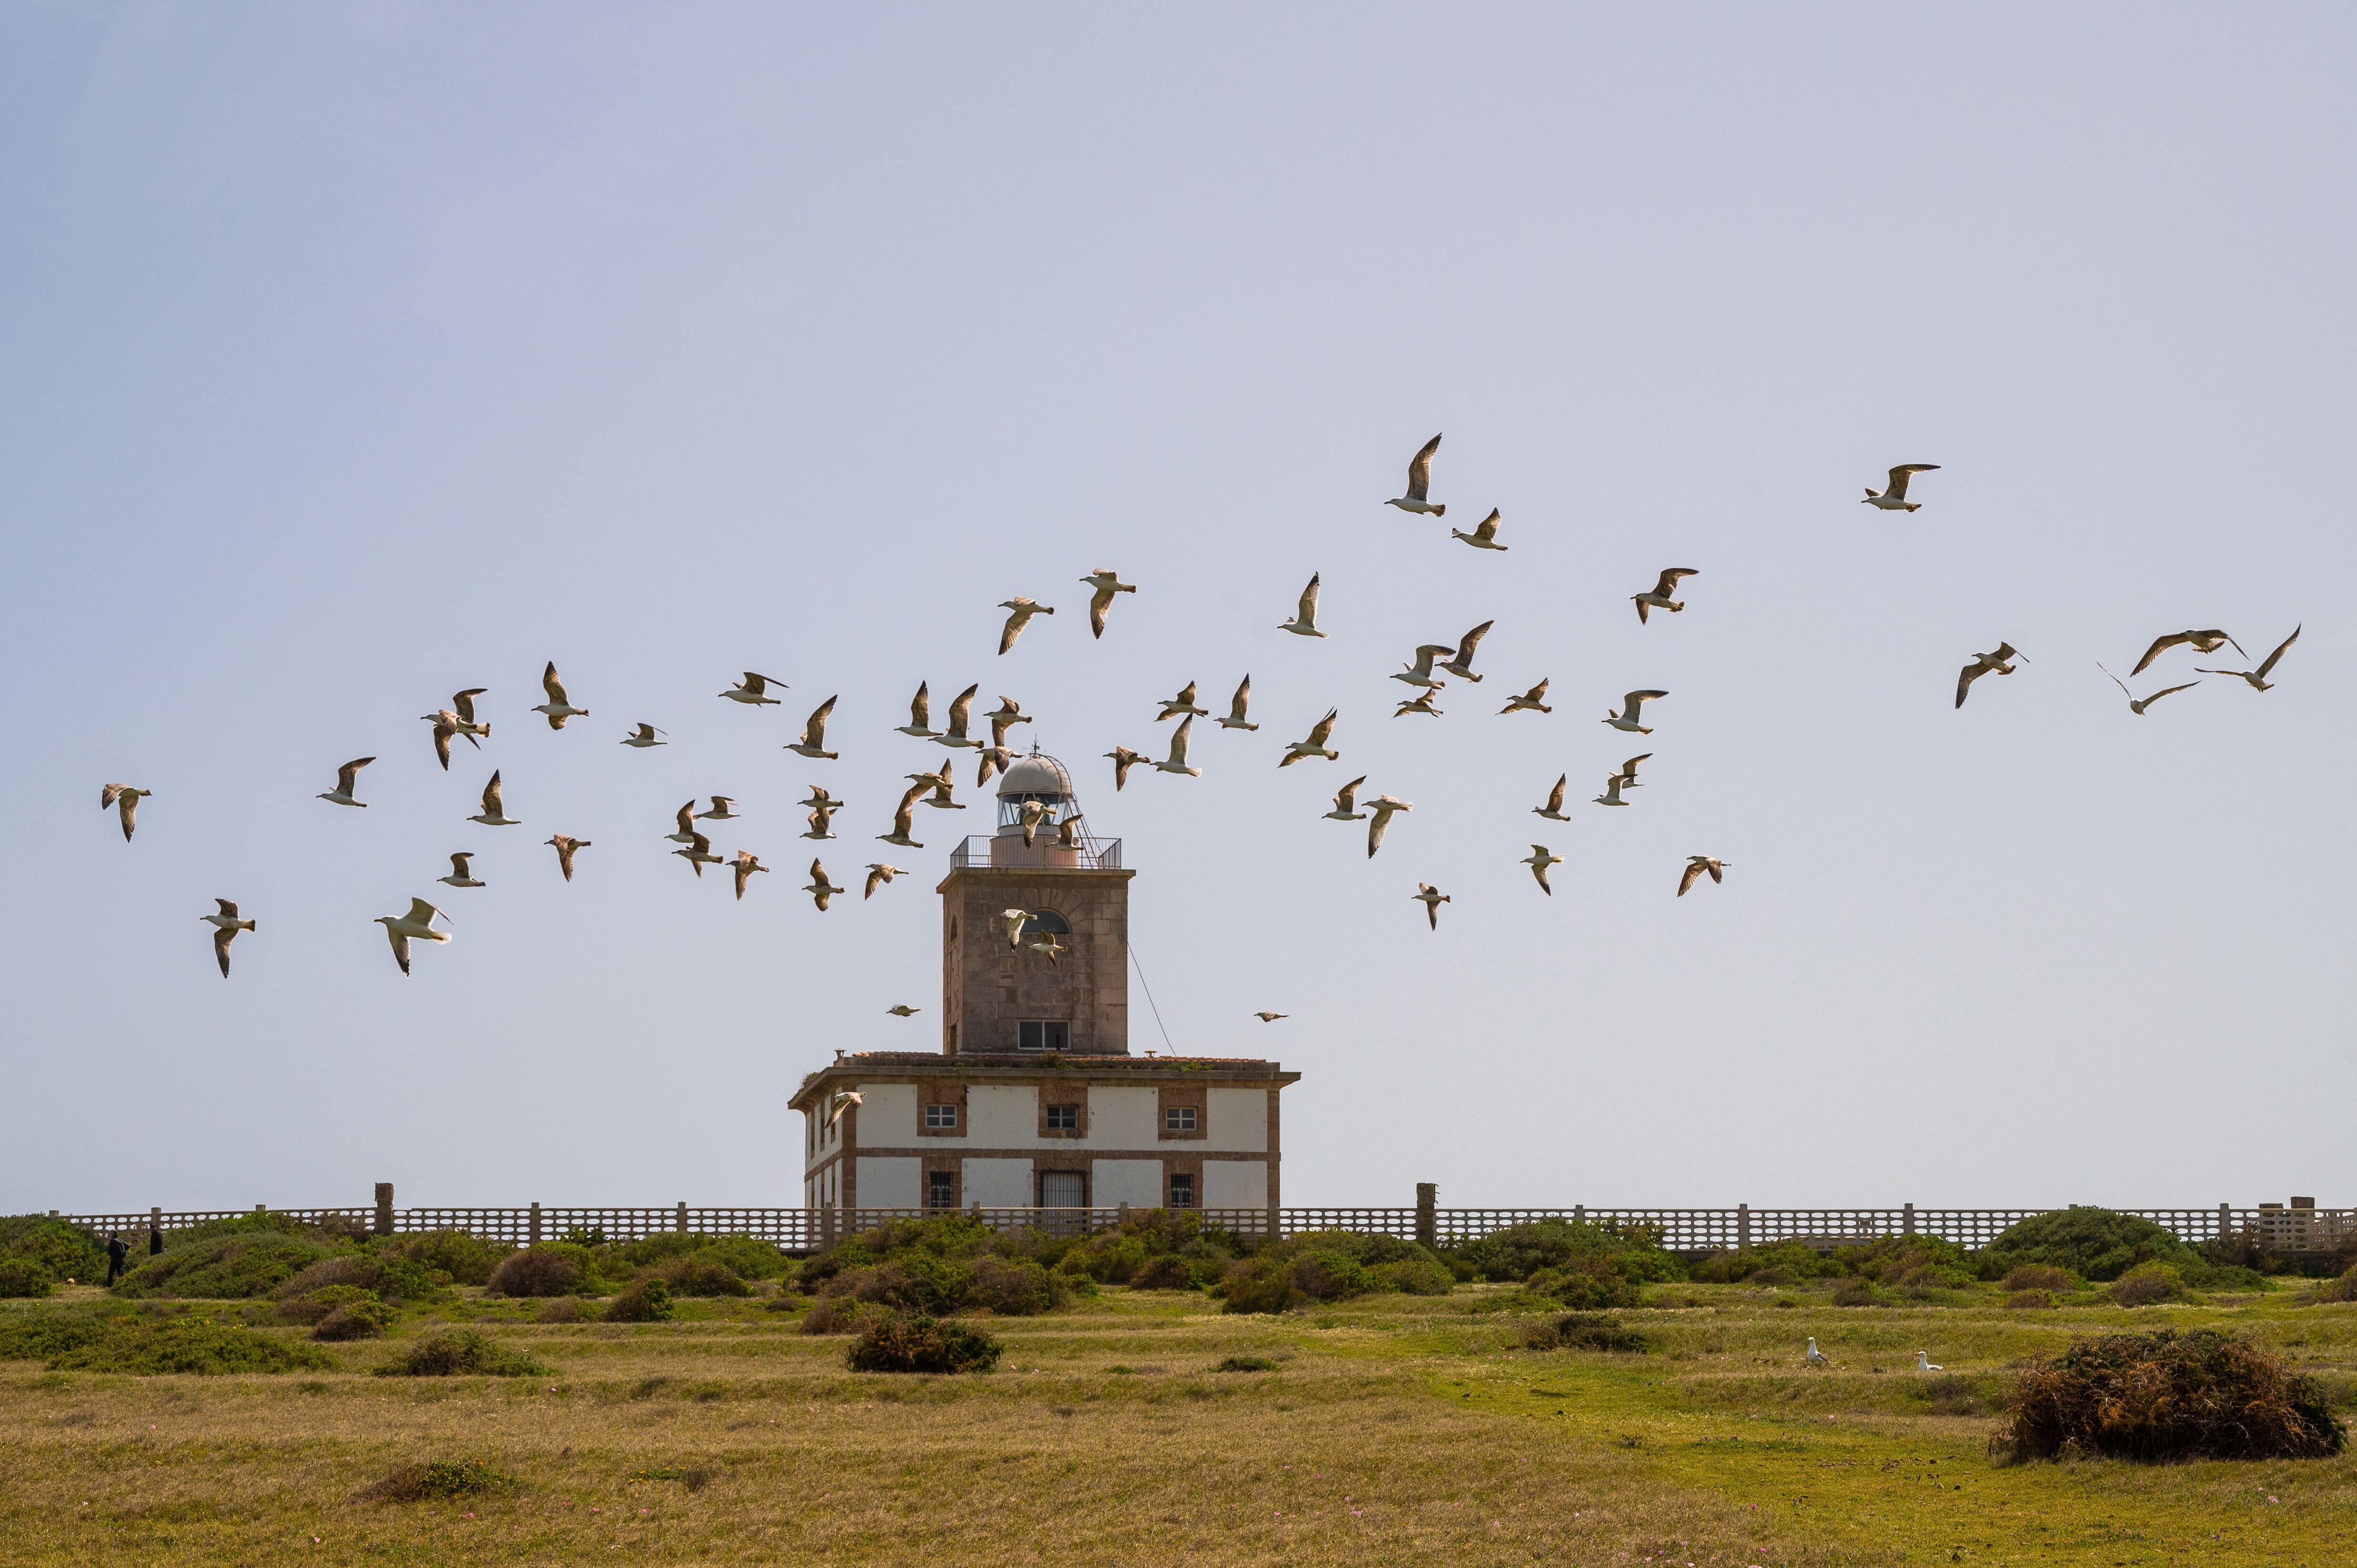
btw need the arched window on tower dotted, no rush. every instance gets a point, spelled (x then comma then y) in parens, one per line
(1044, 923)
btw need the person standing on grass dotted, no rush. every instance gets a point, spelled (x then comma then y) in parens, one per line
(117, 1251)
(154, 1242)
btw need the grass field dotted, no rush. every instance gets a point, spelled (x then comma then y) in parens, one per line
(1392, 1430)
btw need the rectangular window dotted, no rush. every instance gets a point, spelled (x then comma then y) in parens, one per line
(1036, 1034)
(1063, 1118)
(941, 1115)
(1182, 1192)
(1178, 1119)
(940, 1189)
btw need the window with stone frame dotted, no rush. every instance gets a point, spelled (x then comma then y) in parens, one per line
(1182, 1189)
(1043, 1035)
(1063, 1118)
(940, 1189)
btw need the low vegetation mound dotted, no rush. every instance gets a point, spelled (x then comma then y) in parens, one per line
(1587, 1282)
(38, 1253)
(1585, 1331)
(545, 1268)
(461, 1353)
(2148, 1285)
(2099, 1244)
(909, 1342)
(743, 1257)
(2198, 1395)
(391, 1277)
(441, 1479)
(2037, 1276)
(237, 1260)
(458, 1257)
(1911, 1264)
(642, 1301)
(1246, 1364)
(1516, 1253)
(144, 1346)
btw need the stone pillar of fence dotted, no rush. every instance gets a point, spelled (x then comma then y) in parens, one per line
(1907, 1221)
(383, 1226)
(532, 1225)
(680, 1224)
(1428, 1213)
(1743, 1225)
(2225, 1219)
(1122, 1214)
(1276, 1225)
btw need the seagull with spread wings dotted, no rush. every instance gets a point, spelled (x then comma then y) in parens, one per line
(226, 925)
(812, 744)
(820, 888)
(493, 815)
(1103, 585)
(1124, 760)
(1024, 609)
(685, 832)
(644, 735)
(1184, 703)
(2136, 707)
(557, 708)
(902, 1010)
(414, 926)
(1461, 663)
(698, 855)
(961, 714)
(1346, 802)
(1530, 702)
(1305, 616)
(991, 759)
(1176, 761)
(345, 778)
(1697, 864)
(461, 873)
(567, 847)
(1484, 535)
(1382, 808)
(1432, 898)
(1271, 1017)
(125, 799)
(1003, 718)
(2208, 641)
(1658, 597)
(1894, 497)
(879, 875)
(1314, 743)
(823, 808)
(746, 864)
(2257, 679)
(753, 690)
(1420, 673)
(1996, 663)
(1538, 859)
(1633, 708)
(843, 1103)
(902, 819)
(1553, 809)
(723, 810)
(1419, 704)
(1419, 483)
(921, 707)
(1236, 706)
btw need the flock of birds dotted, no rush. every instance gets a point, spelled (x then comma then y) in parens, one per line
(936, 789)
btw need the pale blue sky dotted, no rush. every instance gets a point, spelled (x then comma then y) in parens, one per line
(359, 354)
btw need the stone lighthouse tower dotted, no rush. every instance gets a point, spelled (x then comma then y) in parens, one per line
(1005, 988)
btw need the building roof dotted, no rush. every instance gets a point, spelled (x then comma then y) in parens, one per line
(1038, 774)
(1028, 1065)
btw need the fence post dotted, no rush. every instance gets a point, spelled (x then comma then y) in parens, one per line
(384, 1208)
(2225, 1220)
(1907, 1221)
(533, 1223)
(1742, 1224)
(680, 1224)
(1275, 1227)
(1122, 1216)
(1428, 1216)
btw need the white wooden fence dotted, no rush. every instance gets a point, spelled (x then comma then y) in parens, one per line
(2288, 1229)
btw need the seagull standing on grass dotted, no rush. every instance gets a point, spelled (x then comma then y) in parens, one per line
(1024, 610)
(1818, 1357)
(748, 863)
(920, 724)
(460, 876)
(1484, 535)
(820, 888)
(1176, 761)
(1999, 662)
(493, 815)
(1894, 498)
(1553, 809)
(1382, 808)
(1419, 483)
(1695, 865)
(812, 744)
(1314, 743)
(753, 690)
(1305, 616)
(1923, 1362)
(567, 847)
(1432, 898)
(1538, 859)
(346, 777)
(2208, 641)
(1103, 585)
(2137, 706)
(414, 926)
(1236, 705)
(1530, 702)
(226, 925)
(1632, 707)
(2257, 678)
(879, 875)
(1658, 598)
(644, 736)
(125, 799)
(557, 709)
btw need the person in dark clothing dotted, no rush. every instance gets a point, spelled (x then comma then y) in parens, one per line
(154, 1241)
(117, 1251)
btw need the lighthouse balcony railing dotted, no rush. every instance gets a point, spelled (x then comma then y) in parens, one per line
(1007, 849)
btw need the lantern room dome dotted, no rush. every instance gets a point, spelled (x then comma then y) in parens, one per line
(1037, 776)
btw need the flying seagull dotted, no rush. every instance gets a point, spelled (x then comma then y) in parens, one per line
(942, 784)
(567, 847)
(903, 1011)
(1015, 920)
(1176, 761)
(1024, 610)
(557, 709)
(1461, 665)
(843, 1103)
(125, 799)
(1104, 584)
(1271, 1017)
(460, 876)
(1658, 598)
(1003, 718)
(1419, 483)
(723, 810)
(1613, 784)
(753, 690)
(823, 808)
(1484, 535)
(1985, 663)
(1049, 945)
(812, 744)
(685, 832)
(1346, 802)
(1530, 702)
(1420, 704)
(493, 815)
(415, 926)
(1124, 760)
(1538, 859)
(879, 875)
(1314, 743)
(2202, 641)
(1420, 673)
(1382, 808)
(1068, 832)
(1432, 898)
(2137, 707)
(1236, 705)
(457, 719)
(346, 777)
(961, 714)
(644, 736)
(1305, 616)
(1895, 498)
(1032, 811)
(1695, 865)
(901, 818)
(698, 853)
(2257, 678)
(226, 925)
(920, 722)
(1184, 703)
(991, 759)
(820, 888)
(748, 863)
(1632, 707)
(1629, 769)
(1553, 809)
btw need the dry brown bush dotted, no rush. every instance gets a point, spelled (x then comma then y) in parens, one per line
(2039, 1276)
(2171, 1396)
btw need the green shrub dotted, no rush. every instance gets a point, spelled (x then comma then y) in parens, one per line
(2029, 1300)
(394, 1278)
(443, 1478)
(1259, 1286)
(1016, 1287)
(833, 1315)
(23, 1278)
(2037, 1276)
(914, 1282)
(642, 1301)
(1908, 1263)
(2097, 1244)
(1330, 1276)
(1246, 1364)
(545, 1268)
(1587, 1282)
(2200, 1395)
(2342, 1289)
(1520, 1250)
(2148, 1285)
(363, 1318)
(313, 1306)
(904, 1342)
(259, 1223)
(565, 1309)
(468, 1260)
(1855, 1291)
(749, 1257)
(698, 1273)
(1779, 1265)
(239, 1259)
(461, 1352)
(1168, 1271)
(1415, 1276)
(50, 1249)
(149, 1347)
(1585, 1331)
